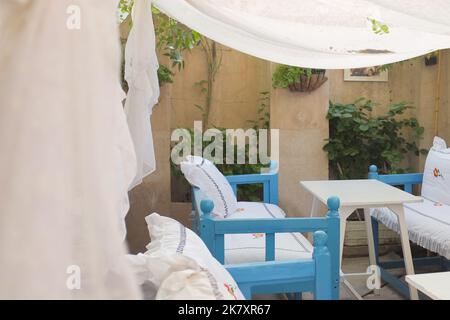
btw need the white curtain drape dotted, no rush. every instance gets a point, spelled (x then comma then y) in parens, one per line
(328, 34)
(141, 65)
(67, 157)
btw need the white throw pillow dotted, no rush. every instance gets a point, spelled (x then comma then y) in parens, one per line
(150, 272)
(436, 175)
(203, 174)
(194, 284)
(175, 248)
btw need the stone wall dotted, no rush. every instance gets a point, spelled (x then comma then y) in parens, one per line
(299, 116)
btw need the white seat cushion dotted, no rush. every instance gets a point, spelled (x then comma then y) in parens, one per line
(428, 224)
(243, 248)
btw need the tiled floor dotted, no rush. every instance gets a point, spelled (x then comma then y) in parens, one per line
(351, 265)
(360, 264)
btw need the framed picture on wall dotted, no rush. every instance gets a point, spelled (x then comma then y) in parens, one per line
(374, 74)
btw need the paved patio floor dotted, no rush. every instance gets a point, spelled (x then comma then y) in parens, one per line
(350, 265)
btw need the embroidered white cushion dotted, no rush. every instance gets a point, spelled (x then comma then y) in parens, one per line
(203, 174)
(428, 224)
(436, 175)
(175, 248)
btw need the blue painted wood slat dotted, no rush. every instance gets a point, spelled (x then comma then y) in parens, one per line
(319, 275)
(270, 246)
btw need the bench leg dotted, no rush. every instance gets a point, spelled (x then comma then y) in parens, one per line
(246, 291)
(409, 266)
(376, 237)
(298, 296)
(371, 243)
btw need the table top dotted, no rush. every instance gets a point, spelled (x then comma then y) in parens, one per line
(435, 285)
(364, 193)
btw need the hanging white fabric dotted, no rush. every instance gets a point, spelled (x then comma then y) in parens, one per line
(141, 65)
(328, 34)
(67, 156)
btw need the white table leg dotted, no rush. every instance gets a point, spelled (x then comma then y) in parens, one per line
(314, 207)
(409, 266)
(370, 242)
(344, 213)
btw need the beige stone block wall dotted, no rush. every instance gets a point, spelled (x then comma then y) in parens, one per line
(236, 90)
(444, 112)
(300, 117)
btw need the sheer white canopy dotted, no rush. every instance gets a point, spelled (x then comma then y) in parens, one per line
(328, 34)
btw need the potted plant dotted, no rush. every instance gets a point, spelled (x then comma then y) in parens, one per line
(297, 78)
(431, 59)
(360, 137)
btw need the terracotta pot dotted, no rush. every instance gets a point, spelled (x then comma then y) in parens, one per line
(308, 84)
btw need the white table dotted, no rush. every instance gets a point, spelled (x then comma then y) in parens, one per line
(435, 285)
(365, 194)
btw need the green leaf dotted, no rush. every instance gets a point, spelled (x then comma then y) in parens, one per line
(364, 127)
(359, 138)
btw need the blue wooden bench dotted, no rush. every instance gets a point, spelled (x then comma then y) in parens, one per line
(406, 182)
(319, 275)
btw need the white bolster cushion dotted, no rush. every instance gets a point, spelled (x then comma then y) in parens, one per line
(202, 173)
(436, 176)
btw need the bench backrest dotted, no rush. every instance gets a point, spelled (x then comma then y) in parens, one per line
(405, 180)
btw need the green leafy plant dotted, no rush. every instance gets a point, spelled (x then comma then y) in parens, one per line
(379, 27)
(298, 79)
(173, 38)
(359, 139)
(263, 121)
(165, 75)
(286, 75)
(124, 7)
(213, 60)
(251, 192)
